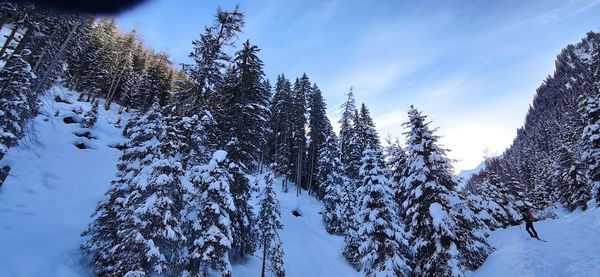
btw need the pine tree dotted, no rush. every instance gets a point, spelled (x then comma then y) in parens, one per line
(443, 241)
(280, 139)
(318, 126)
(111, 242)
(210, 57)
(245, 113)
(212, 236)
(572, 189)
(396, 162)
(269, 224)
(18, 104)
(365, 128)
(330, 177)
(349, 141)
(590, 109)
(298, 112)
(383, 246)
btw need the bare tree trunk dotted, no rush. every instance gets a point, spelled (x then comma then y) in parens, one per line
(23, 41)
(43, 55)
(299, 171)
(264, 259)
(9, 39)
(54, 62)
(112, 93)
(311, 170)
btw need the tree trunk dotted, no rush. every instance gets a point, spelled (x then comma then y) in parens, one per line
(264, 259)
(54, 61)
(9, 39)
(23, 41)
(299, 171)
(310, 170)
(111, 95)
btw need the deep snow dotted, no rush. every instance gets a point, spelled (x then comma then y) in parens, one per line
(573, 248)
(54, 187)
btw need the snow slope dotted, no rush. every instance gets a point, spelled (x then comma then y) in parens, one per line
(54, 187)
(51, 191)
(573, 248)
(309, 250)
(464, 175)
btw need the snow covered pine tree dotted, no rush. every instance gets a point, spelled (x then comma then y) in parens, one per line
(269, 224)
(443, 242)
(212, 236)
(383, 245)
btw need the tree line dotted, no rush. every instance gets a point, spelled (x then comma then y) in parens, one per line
(555, 156)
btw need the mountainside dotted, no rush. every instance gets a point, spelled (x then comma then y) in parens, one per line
(465, 174)
(54, 187)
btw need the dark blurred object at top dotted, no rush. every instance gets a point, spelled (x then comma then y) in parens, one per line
(85, 6)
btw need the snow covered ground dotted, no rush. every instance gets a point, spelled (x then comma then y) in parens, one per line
(573, 248)
(54, 186)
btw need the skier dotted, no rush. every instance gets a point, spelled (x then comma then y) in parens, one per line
(528, 218)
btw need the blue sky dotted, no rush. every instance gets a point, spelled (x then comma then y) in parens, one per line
(472, 66)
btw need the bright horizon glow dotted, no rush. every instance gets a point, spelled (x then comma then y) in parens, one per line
(471, 66)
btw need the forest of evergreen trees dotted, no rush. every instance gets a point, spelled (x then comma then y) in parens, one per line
(554, 157)
(219, 120)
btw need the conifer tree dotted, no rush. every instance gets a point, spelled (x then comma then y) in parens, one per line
(18, 104)
(280, 139)
(349, 141)
(210, 57)
(331, 180)
(396, 162)
(298, 112)
(212, 235)
(318, 125)
(114, 241)
(572, 189)
(269, 224)
(590, 109)
(383, 246)
(443, 241)
(365, 128)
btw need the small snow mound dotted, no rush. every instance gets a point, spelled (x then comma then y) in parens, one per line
(437, 214)
(220, 156)
(84, 134)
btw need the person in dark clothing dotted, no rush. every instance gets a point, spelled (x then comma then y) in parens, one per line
(528, 218)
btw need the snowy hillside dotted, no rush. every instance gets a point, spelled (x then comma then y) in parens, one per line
(464, 175)
(572, 248)
(54, 187)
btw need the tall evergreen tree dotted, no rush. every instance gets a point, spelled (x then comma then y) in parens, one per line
(210, 57)
(318, 126)
(280, 139)
(383, 245)
(18, 104)
(590, 109)
(331, 179)
(136, 230)
(572, 188)
(365, 128)
(298, 112)
(269, 224)
(443, 241)
(212, 238)
(349, 140)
